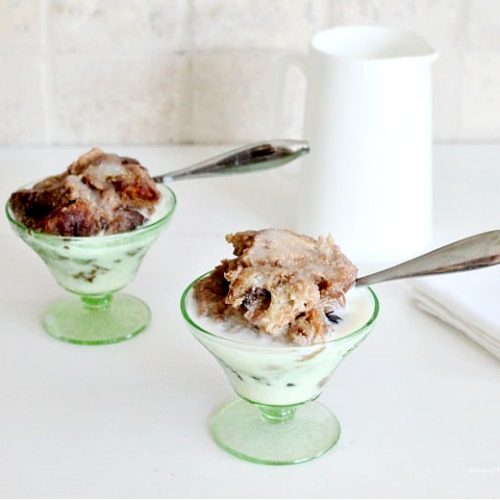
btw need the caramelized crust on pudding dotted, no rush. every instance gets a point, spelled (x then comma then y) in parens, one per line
(280, 283)
(98, 193)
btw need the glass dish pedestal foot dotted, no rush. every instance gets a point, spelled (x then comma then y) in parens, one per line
(94, 320)
(275, 435)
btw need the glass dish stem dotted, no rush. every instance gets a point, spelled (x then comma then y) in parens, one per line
(97, 302)
(277, 414)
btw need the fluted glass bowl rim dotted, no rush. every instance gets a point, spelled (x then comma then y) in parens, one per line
(106, 238)
(191, 322)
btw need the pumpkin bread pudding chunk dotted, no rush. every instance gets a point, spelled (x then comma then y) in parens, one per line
(99, 193)
(280, 283)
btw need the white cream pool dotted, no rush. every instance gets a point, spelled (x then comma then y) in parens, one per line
(272, 372)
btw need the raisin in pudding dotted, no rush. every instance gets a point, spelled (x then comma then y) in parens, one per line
(99, 193)
(93, 223)
(280, 316)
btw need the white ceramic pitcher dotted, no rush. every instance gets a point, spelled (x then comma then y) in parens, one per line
(367, 179)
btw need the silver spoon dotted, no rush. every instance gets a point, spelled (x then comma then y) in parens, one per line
(249, 158)
(474, 252)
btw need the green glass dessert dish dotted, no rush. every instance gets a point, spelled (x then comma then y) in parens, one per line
(277, 421)
(93, 269)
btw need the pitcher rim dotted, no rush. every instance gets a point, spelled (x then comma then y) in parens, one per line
(427, 52)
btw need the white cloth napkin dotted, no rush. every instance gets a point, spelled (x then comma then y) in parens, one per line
(469, 301)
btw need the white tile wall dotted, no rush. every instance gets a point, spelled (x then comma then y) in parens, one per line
(231, 92)
(170, 71)
(481, 95)
(257, 24)
(22, 119)
(483, 28)
(121, 97)
(116, 26)
(20, 25)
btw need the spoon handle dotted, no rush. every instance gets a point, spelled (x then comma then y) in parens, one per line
(249, 158)
(477, 251)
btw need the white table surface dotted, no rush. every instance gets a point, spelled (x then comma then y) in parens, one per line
(419, 403)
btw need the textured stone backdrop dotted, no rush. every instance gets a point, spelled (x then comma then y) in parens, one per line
(174, 71)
